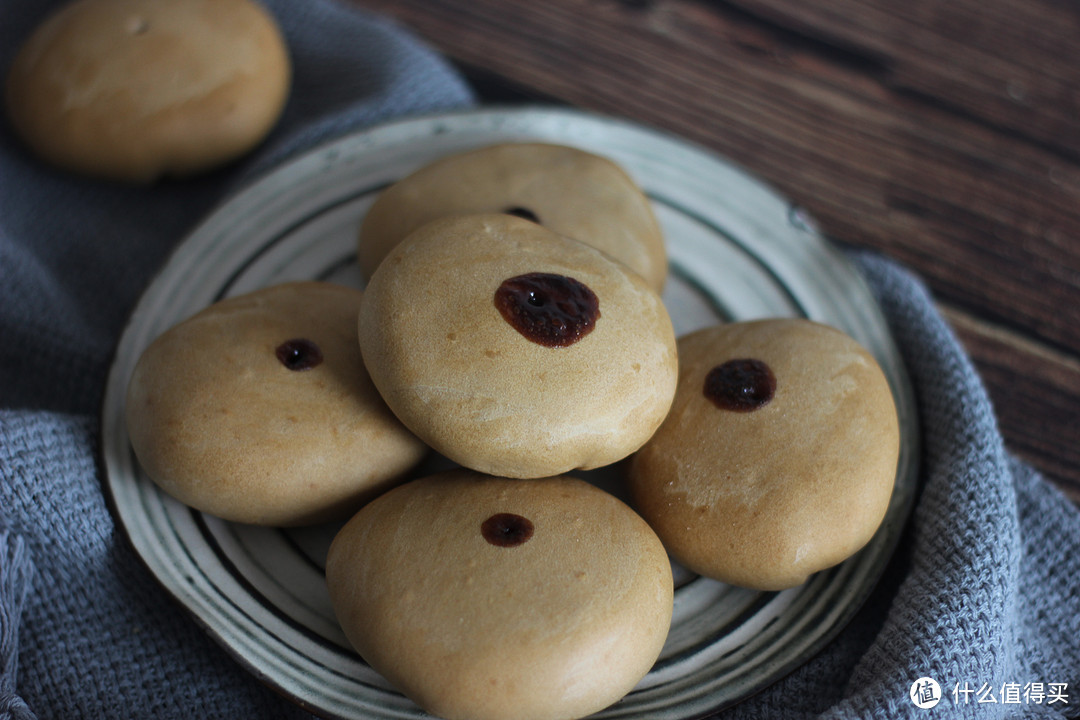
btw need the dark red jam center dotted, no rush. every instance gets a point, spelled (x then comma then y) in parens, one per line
(522, 212)
(299, 354)
(549, 309)
(506, 529)
(740, 385)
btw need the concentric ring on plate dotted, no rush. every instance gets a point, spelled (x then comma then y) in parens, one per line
(737, 251)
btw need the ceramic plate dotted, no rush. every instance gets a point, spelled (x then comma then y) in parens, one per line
(737, 251)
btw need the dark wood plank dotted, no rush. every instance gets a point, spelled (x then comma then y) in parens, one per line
(927, 186)
(1008, 64)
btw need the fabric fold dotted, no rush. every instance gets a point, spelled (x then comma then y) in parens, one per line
(16, 573)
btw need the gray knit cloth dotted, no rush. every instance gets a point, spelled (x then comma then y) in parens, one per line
(983, 592)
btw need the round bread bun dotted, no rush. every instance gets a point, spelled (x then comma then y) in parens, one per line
(763, 494)
(485, 598)
(136, 89)
(482, 392)
(259, 410)
(569, 191)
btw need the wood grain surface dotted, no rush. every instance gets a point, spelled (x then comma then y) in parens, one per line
(944, 135)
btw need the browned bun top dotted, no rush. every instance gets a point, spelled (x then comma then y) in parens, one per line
(482, 597)
(761, 482)
(567, 190)
(486, 388)
(258, 409)
(136, 89)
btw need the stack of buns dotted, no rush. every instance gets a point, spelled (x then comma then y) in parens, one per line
(512, 321)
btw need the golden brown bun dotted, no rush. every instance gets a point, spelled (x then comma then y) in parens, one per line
(570, 191)
(764, 498)
(136, 89)
(558, 626)
(473, 387)
(219, 422)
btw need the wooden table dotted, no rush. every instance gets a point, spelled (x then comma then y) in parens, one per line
(944, 134)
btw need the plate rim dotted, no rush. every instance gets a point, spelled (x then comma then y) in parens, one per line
(899, 376)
